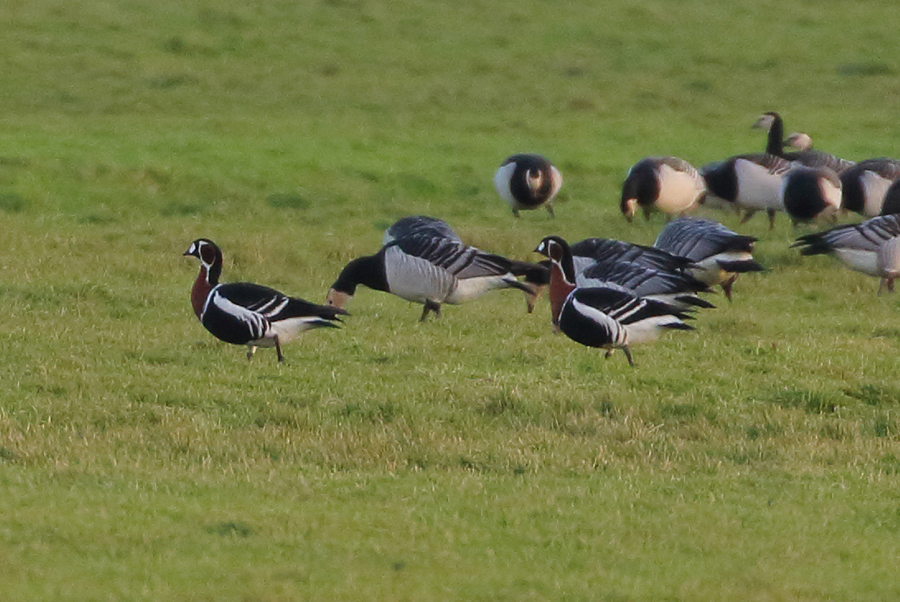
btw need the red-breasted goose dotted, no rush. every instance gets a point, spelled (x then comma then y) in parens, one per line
(242, 313)
(604, 317)
(673, 286)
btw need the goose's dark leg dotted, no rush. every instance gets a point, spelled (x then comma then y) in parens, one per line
(726, 287)
(430, 306)
(278, 349)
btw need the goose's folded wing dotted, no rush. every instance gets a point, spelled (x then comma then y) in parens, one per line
(602, 250)
(458, 259)
(865, 236)
(698, 239)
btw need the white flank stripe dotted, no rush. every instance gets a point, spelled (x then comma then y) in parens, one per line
(597, 316)
(256, 323)
(289, 329)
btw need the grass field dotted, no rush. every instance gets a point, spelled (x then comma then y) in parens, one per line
(475, 457)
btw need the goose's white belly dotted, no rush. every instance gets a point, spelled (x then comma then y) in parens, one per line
(861, 261)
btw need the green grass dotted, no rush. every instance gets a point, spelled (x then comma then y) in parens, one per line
(477, 457)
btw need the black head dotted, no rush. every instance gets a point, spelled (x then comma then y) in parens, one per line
(209, 255)
(557, 249)
(368, 271)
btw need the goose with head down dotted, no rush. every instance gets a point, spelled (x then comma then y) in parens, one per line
(719, 254)
(649, 275)
(855, 245)
(527, 181)
(749, 183)
(865, 186)
(669, 185)
(430, 270)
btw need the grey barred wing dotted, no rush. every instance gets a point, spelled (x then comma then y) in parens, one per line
(642, 280)
(601, 250)
(866, 236)
(456, 258)
(678, 164)
(419, 225)
(697, 239)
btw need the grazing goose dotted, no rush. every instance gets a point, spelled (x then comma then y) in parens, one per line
(605, 250)
(679, 289)
(527, 181)
(811, 193)
(888, 264)
(856, 245)
(419, 225)
(750, 183)
(536, 275)
(672, 286)
(604, 317)
(431, 271)
(719, 254)
(666, 184)
(249, 314)
(593, 251)
(865, 185)
(806, 155)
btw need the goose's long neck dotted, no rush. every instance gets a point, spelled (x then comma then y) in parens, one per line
(775, 143)
(207, 279)
(560, 287)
